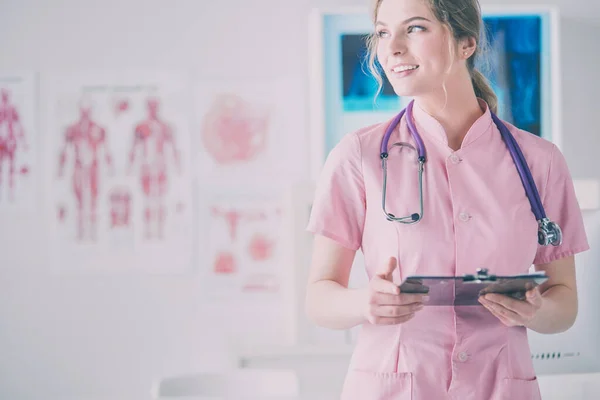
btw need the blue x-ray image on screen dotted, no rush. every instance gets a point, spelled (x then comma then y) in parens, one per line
(359, 86)
(514, 63)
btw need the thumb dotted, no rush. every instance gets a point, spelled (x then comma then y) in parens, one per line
(534, 296)
(388, 268)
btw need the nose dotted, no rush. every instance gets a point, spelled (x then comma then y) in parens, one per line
(397, 46)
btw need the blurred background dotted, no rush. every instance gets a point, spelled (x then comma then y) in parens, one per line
(157, 178)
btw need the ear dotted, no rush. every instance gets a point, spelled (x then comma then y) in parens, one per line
(467, 47)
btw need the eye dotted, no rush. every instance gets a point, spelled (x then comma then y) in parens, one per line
(382, 34)
(417, 28)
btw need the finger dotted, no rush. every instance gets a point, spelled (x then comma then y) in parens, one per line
(499, 310)
(409, 298)
(502, 318)
(388, 269)
(517, 306)
(381, 285)
(534, 297)
(396, 311)
(391, 320)
(385, 299)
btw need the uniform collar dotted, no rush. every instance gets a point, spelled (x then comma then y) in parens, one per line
(430, 126)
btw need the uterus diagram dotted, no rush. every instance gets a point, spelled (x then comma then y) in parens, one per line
(258, 246)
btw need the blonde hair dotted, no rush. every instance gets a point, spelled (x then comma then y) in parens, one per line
(463, 20)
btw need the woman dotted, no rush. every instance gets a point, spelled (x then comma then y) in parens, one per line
(477, 215)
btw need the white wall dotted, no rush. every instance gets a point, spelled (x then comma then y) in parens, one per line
(111, 335)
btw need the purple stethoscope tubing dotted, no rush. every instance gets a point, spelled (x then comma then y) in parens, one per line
(548, 233)
(411, 127)
(522, 168)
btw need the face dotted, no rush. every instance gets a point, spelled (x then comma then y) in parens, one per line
(412, 47)
(85, 112)
(153, 106)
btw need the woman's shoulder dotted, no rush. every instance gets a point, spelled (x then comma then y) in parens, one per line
(543, 157)
(535, 146)
(362, 140)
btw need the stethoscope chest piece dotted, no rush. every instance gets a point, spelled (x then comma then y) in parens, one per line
(549, 233)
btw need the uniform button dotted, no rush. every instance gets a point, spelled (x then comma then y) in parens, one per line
(454, 159)
(464, 217)
(462, 356)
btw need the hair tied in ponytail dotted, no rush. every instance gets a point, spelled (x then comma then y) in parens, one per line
(484, 90)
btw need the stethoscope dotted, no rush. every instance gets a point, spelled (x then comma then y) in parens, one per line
(548, 232)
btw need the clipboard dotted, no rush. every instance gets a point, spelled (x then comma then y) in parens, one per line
(465, 290)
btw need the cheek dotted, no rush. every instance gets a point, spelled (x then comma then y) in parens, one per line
(437, 63)
(381, 54)
(435, 55)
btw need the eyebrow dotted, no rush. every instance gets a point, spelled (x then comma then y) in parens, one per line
(411, 19)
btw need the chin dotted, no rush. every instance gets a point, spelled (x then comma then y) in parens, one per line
(405, 91)
(412, 89)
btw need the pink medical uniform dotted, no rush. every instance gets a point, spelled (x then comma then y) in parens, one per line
(476, 215)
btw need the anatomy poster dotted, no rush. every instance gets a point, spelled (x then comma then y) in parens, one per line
(119, 175)
(242, 245)
(18, 142)
(240, 131)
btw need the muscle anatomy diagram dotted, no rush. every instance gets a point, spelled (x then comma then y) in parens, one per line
(122, 193)
(84, 143)
(154, 148)
(12, 140)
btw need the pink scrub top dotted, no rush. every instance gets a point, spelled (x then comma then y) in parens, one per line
(476, 215)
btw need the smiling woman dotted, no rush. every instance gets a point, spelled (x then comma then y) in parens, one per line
(428, 32)
(465, 168)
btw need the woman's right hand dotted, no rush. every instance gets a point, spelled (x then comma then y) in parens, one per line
(385, 305)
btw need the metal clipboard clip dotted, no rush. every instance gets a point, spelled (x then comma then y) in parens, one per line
(481, 276)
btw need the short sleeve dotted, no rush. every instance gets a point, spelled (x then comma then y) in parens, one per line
(338, 209)
(562, 207)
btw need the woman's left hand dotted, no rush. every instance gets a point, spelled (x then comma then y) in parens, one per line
(513, 312)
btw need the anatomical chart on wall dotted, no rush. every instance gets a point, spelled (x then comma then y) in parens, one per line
(119, 175)
(241, 246)
(240, 131)
(18, 142)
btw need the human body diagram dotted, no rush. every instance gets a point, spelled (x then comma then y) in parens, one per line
(87, 142)
(153, 149)
(12, 139)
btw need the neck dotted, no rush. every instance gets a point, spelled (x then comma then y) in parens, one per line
(456, 113)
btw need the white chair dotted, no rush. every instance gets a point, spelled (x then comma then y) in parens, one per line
(245, 383)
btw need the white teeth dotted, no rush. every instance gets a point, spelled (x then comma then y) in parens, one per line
(405, 68)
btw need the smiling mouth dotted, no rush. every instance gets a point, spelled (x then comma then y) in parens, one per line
(404, 68)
